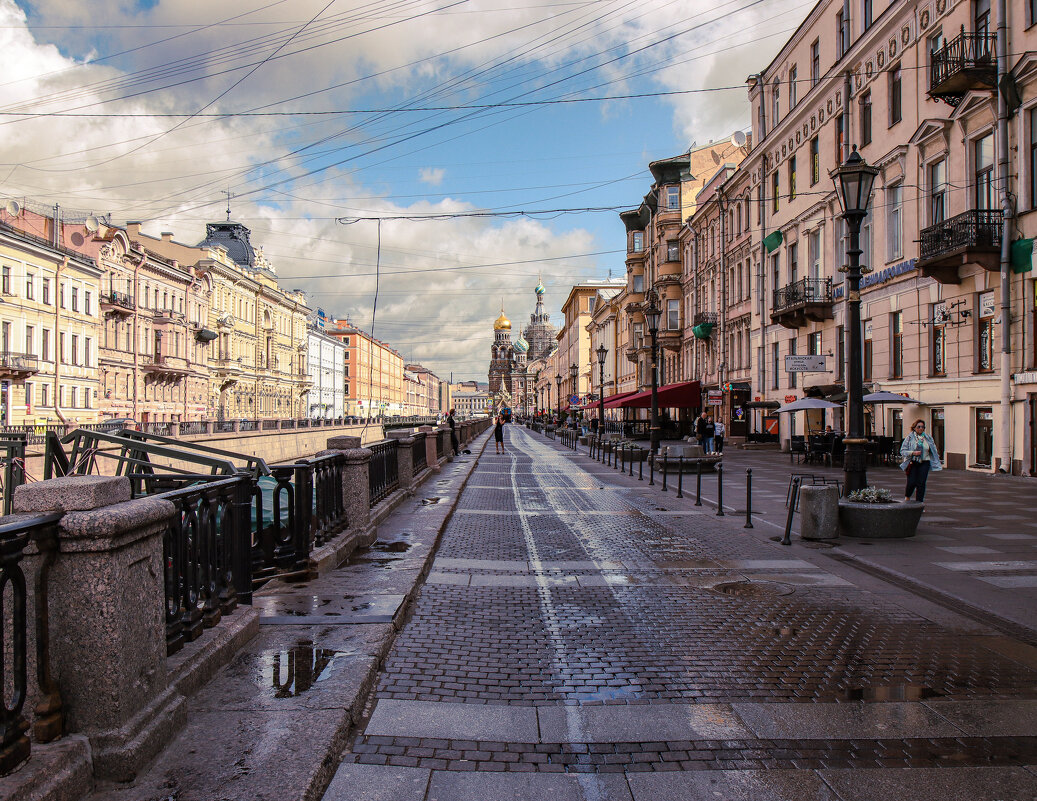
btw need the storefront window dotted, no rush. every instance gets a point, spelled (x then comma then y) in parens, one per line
(939, 339)
(937, 430)
(984, 436)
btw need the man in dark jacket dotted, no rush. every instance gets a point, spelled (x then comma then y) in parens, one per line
(453, 433)
(700, 430)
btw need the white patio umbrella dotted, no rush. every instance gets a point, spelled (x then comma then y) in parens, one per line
(806, 403)
(888, 397)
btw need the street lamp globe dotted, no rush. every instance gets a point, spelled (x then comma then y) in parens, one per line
(854, 179)
(602, 352)
(652, 314)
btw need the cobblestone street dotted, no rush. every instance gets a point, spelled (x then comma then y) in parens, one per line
(584, 635)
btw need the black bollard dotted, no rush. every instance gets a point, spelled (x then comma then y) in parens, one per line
(698, 483)
(680, 477)
(632, 461)
(651, 470)
(748, 498)
(720, 490)
(622, 455)
(640, 466)
(787, 539)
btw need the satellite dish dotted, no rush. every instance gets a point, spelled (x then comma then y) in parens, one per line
(738, 139)
(92, 223)
(13, 208)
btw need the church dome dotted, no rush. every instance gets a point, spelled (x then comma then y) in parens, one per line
(232, 236)
(502, 323)
(539, 289)
(521, 345)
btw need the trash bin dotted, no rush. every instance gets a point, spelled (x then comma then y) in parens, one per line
(819, 512)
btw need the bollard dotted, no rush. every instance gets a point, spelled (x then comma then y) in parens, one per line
(748, 498)
(622, 456)
(665, 471)
(631, 461)
(720, 490)
(698, 484)
(640, 468)
(651, 470)
(680, 477)
(787, 539)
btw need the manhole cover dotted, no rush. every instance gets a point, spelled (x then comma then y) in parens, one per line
(818, 546)
(753, 589)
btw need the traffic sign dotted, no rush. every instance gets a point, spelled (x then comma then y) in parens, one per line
(804, 364)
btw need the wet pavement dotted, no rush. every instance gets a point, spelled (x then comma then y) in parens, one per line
(587, 636)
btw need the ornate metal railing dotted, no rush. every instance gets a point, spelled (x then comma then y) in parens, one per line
(419, 454)
(281, 512)
(12, 454)
(118, 299)
(800, 293)
(14, 641)
(967, 52)
(19, 362)
(383, 473)
(440, 445)
(206, 556)
(979, 228)
(329, 505)
(192, 427)
(706, 318)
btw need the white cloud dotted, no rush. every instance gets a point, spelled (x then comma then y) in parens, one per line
(432, 175)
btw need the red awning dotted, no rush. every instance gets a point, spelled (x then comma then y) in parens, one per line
(685, 395)
(615, 401)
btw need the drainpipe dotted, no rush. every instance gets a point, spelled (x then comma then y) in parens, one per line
(136, 331)
(1005, 429)
(57, 336)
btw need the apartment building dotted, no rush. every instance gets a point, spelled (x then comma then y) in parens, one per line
(325, 363)
(373, 373)
(574, 339)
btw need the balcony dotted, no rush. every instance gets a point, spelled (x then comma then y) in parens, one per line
(704, 323)
(166, 369)
(667, 279)
(970, 238)
(116, 303)
(803, 300)
(168, 317)
(18, 365)
(965, 63)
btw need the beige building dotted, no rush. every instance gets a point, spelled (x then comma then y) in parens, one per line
(373, 373)
(574, 340)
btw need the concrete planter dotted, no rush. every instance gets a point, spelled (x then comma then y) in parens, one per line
(879, 520)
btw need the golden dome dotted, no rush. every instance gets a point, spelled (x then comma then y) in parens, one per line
(502, 323)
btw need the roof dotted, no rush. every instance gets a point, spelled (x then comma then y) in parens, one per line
(232, 237)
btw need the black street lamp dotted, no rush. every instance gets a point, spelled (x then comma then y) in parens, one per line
(652, 314)
(558, 396)
(854, 180)
(573, 371)
(602, 352)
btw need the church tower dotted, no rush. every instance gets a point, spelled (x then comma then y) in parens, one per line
(539, 334)
(502, 361)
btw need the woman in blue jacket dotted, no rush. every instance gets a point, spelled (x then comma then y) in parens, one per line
(920, 456)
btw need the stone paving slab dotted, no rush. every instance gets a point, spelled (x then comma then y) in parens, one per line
(394, 718)
(638, 723)
(482, 786)
(844, 721)
(933, 784)
(990, 718)
(355, 782)
(730, 785)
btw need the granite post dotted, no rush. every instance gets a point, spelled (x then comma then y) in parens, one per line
(818, 512)
(431, 457)
(404, 458)
(107, 620)
(356, 487)
(444, 444)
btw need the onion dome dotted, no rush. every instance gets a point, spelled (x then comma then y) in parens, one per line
(521, 345)
(502, 323)
(540, 289)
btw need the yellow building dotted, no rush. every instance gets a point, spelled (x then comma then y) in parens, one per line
(258, 361)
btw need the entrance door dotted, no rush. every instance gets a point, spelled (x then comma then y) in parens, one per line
(1033, 435)
(984, 436)
(938, 434)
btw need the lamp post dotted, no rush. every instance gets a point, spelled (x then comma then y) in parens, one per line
(558, 396)
(652, 314)
(854, 180)
(573, 372)
(602, 352)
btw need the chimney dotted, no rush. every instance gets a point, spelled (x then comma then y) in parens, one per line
(167, 236)
(132, 228)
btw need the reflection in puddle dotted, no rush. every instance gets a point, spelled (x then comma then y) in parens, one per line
(296, 670)
(893, 692)
(392, 547)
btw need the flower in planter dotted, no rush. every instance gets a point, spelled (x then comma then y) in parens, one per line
(871, 495)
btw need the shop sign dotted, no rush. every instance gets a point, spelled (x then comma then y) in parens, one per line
(714, 397)
(880, 277)
(790, 399)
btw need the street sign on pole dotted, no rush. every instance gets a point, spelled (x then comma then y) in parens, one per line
(804, 364)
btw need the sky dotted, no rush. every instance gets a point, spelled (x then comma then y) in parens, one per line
(496, 140)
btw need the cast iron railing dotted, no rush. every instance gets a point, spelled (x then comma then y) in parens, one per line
(281, 511)
(206, 556)
(800, 293)
(118, 299)
(19, 362)
(419, 454)
(193, 427)
(12, 453)
(440, 445)
(967, 52)
(329, 505)
(383, 473)
(14, 641)
(979, 229)
(706, 318)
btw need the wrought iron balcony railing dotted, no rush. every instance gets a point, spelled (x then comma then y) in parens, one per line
(117, 299)
(706, 318)
(978, 230)
(18, 362)
(966, 62)
(801, 293)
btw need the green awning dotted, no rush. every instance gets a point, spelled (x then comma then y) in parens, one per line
(1022, 256)
(702, 330)
(772, 241)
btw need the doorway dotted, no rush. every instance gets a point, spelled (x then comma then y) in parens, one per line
(984, 436)
(938, 433)
(1033, 435)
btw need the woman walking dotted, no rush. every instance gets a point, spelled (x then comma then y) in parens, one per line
(920, 456)
(498, 433)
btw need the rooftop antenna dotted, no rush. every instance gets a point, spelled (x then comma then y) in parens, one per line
(227, 192)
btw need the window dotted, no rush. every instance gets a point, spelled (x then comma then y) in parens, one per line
(673, 198)
(46, 291)
(75, 298)
(45, 345)
(937, 192)
(938, 339)
(866, 241)
(792, 352)
(639, 335)
(792, 86)
(61, 347)
(30, 340)
(815, 161)
(984, 155)
(842, 30)
(775, 102)
(866, 119)
(61, 296)
(896, 98)
(774, 365)
(775, 190)
(896, 330)
(1032, 118)
(75, 397)
(814, 254)
(815, 62)
(869, 351)
(88, 345)
(866, 14)
(673, 252)
(637, 242)
(775, 271)
(639, 282)
(981, 11)
(75, 349)
(793, 258)
(814, 343)
(985, 332)
(840, 138)
(895, 222)
(673, 314)
(5, 280)
(29, 288)
(44, 395)
(934, 43)
(792, 178)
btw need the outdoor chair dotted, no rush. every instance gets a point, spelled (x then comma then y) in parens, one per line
(797, 448)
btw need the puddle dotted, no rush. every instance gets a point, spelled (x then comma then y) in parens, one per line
(295, 671)
(892, 692)
(430, 501)
(392, 547)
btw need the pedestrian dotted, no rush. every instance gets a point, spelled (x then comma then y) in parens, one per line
(920, 456)
(453, 433)
(594, 427)
(718, 436)
(498, 434)
(711, 431)
(700, 430)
